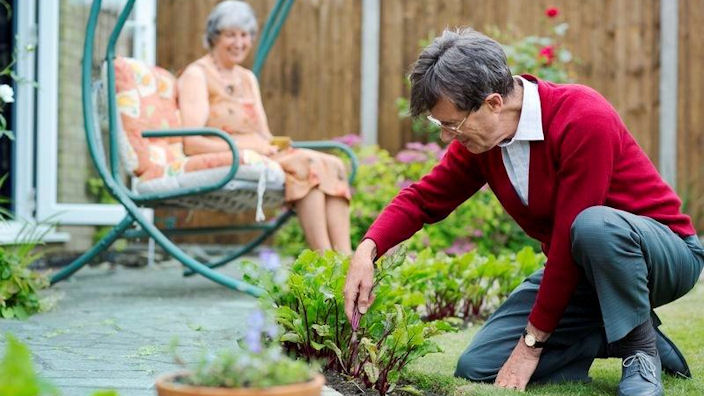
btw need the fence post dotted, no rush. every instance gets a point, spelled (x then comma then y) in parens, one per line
(668, 91)
(369, 97)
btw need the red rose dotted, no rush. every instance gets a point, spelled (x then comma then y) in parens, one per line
(547, 53)
(552, 12)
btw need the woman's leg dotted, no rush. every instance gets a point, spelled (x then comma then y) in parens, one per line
(313, 220)
(337, 211)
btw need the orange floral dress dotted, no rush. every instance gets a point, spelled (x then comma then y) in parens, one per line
(237, 109)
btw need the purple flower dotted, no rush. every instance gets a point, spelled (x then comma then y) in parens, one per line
(460, 246)
(253, 340)
(410, 156)
(477, 233)
(256, 321)
(404, 184)
(433, 148)
(418, 146)
(269, 259)
(370, 160)
(350, 139)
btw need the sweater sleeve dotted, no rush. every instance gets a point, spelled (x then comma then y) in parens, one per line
(449, 183)
(585, 163)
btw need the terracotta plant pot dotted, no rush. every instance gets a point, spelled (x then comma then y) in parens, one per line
(166, 386)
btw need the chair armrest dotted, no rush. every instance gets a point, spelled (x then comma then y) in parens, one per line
(196, 190)
(330, 144)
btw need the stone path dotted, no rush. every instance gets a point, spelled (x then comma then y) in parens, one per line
(111, 328)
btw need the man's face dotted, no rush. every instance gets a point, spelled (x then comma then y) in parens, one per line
(480, 130)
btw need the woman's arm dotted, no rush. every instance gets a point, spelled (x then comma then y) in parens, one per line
(194, 106)
(264, 124)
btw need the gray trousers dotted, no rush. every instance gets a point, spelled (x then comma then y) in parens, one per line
(630, 265)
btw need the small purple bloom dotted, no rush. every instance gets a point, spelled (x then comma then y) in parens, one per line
(350, 139)
(269, 259)
(460, 247)
(433, 148)
(370, 160)
(418, 146)
(253, 341)
(410, 156)
(477, 233)
(404, 184)
(256, 321)
(426, 241)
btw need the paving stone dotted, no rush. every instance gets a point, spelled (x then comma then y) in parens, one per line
(111, 327)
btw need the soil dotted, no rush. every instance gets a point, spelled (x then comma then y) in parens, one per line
(351, 388)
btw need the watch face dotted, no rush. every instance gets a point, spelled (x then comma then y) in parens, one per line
(530, 340)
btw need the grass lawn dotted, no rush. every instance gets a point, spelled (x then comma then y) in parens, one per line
(683, 322)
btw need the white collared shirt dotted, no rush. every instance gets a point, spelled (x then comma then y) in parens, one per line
(516, 152)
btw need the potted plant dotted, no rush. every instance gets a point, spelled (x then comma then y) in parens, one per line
(258, 368)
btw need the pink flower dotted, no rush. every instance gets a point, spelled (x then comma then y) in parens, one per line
(370, 160)
(404, 184)
(547, 54)
(460, 246)
(552, 12)
(409, 156)
(350, 139)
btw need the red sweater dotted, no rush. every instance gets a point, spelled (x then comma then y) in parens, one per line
(588, 158)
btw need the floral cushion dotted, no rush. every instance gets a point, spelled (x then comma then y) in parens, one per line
(146, 99)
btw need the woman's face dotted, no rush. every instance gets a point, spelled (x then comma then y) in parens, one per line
(232, 46)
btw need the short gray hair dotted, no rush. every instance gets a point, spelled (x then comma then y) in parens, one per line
(461, 65)
(229, 14)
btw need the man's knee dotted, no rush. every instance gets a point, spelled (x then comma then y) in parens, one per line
(475, 367)
(595, 229)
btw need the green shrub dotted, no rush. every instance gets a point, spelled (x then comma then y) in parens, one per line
(466, 286)
(19, 285)
(310, 308)
(479, 223)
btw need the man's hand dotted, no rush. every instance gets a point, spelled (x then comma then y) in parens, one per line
(358, 287)
(519, 367)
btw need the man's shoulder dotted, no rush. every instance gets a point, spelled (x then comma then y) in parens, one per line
(575, 103)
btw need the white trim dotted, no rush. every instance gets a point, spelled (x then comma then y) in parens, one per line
(23, 164)
(10, 231)
(48, 209)
(369, 98)
(668, 91)
(144, 38)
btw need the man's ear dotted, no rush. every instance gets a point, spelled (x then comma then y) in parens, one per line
(495, 102)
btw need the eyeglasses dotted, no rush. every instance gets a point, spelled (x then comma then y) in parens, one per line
(451, 128)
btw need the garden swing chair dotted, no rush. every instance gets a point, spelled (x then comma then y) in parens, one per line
(243, 184)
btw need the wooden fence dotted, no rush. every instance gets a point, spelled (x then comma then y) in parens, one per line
(311, 82)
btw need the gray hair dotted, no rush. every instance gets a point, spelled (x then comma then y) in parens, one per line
(461, 65)
(229, 14)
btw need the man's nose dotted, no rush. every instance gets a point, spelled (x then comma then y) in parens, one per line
(446, 136)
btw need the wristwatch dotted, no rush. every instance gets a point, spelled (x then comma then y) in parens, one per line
(531, 341)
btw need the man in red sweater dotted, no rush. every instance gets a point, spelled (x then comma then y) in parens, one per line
(564, 166)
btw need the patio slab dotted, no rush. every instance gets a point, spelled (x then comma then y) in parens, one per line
(111, 327)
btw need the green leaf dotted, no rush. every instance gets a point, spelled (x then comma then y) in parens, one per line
(372, 372)
(291, 337)
(322, 330)
(317, 346)
(338, 352)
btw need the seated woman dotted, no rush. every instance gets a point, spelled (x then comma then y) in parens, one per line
(216, 91)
